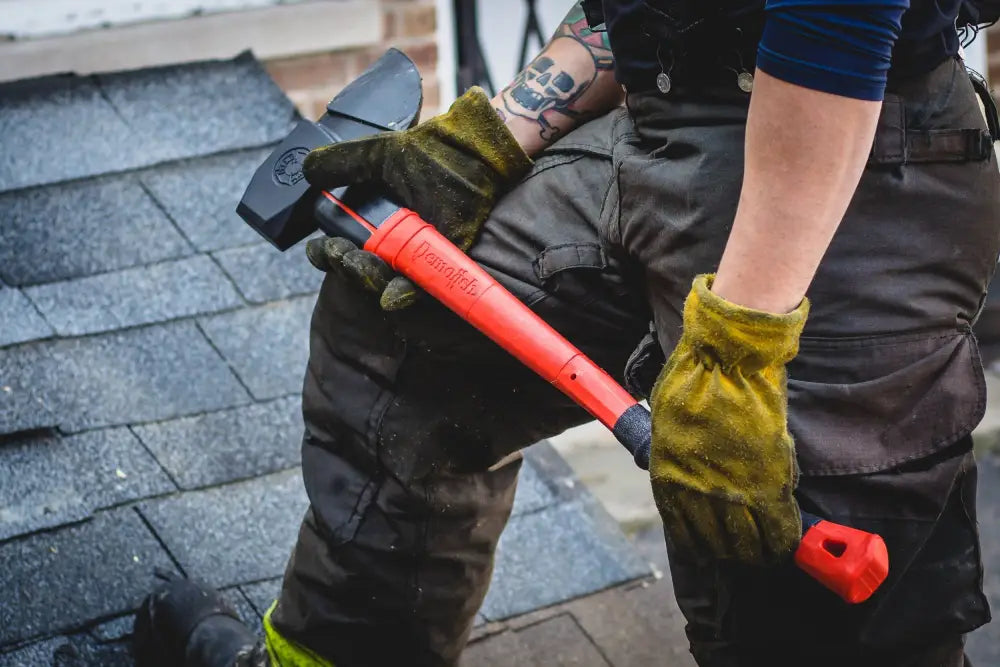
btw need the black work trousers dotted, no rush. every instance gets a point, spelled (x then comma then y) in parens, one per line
(414, 420)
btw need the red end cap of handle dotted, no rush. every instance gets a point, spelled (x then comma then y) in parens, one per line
(850, 562)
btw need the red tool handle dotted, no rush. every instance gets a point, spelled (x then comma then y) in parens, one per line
(416, 249)
(851, 563)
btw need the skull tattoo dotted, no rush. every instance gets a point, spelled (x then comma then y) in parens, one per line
(543, 88)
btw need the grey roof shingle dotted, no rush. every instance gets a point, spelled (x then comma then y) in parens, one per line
(220, 447)
(24, 402)
(133, 376)
(267, 346)
(262, 594)
(201, 195)
(67, 127)
(533, 491)
(78, 229)
(232, 534)
(199, 108)
(262, 274)
(53, 480)
(95, 569)
(19, 321)
(39, 653)
(136, 296)
(41, 118)
(150, 417)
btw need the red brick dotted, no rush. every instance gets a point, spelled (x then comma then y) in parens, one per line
(310, 71)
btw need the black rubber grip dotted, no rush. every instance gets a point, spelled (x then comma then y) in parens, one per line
(635, 430)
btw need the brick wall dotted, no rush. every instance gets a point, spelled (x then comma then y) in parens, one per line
(409, 25)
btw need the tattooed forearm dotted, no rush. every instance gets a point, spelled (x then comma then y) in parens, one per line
(569, 82)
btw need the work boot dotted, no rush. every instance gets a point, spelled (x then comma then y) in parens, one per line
(189, 624)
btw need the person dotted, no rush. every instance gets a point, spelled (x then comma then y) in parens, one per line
(766, 152)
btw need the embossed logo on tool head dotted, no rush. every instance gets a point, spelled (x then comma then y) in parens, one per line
(288, 168)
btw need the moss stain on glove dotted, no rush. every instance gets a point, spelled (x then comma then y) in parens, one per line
(723, 461)
(451, 170)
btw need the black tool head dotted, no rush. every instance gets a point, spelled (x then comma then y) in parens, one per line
(279, 203)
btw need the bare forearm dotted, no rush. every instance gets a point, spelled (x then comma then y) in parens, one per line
(805, 151)
(571, 81)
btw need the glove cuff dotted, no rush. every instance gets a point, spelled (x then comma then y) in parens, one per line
(733, 336)
(492, 140)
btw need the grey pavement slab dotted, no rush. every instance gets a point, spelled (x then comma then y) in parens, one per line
(49, 480)
(60, 127)
(143, 295)
(267, 346)
(57, 581)
(225, 446)
(19, 321)
(561, 641)
(555, 642)
(24, 401)
(201, 197)
(134, 376)
(262, 594)
(199, 108)
(263, 274)
(232, 534)
(557, 554)
(624, 621)
(78, 229)
(983, 645)
(501, 650)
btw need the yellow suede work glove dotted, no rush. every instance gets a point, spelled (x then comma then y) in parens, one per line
(722, 462)
(451, 170)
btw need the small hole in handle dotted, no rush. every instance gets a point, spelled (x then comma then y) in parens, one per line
(835, 548)
(573, 376)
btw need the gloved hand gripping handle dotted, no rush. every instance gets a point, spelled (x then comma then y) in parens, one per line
(850, 562)
(280, 204)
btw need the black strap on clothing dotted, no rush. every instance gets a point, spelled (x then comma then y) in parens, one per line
(594, 11)
(895, 144)
(989, 104)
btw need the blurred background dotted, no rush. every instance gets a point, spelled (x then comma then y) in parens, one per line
(311, 47)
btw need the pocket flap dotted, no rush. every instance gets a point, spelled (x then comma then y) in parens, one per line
(563, 257)
(864, 405)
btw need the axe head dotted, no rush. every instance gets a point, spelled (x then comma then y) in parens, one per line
(280, 204)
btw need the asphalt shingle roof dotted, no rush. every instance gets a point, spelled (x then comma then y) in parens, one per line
(152, 350)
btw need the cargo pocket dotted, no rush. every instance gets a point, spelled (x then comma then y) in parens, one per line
(584, 289)
(864, 405)
(881, 427)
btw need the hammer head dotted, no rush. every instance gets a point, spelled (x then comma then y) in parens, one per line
(280, 204)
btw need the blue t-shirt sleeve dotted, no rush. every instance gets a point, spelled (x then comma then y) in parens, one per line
(843, 47)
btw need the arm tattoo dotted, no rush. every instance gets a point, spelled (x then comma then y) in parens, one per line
(553, 83)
